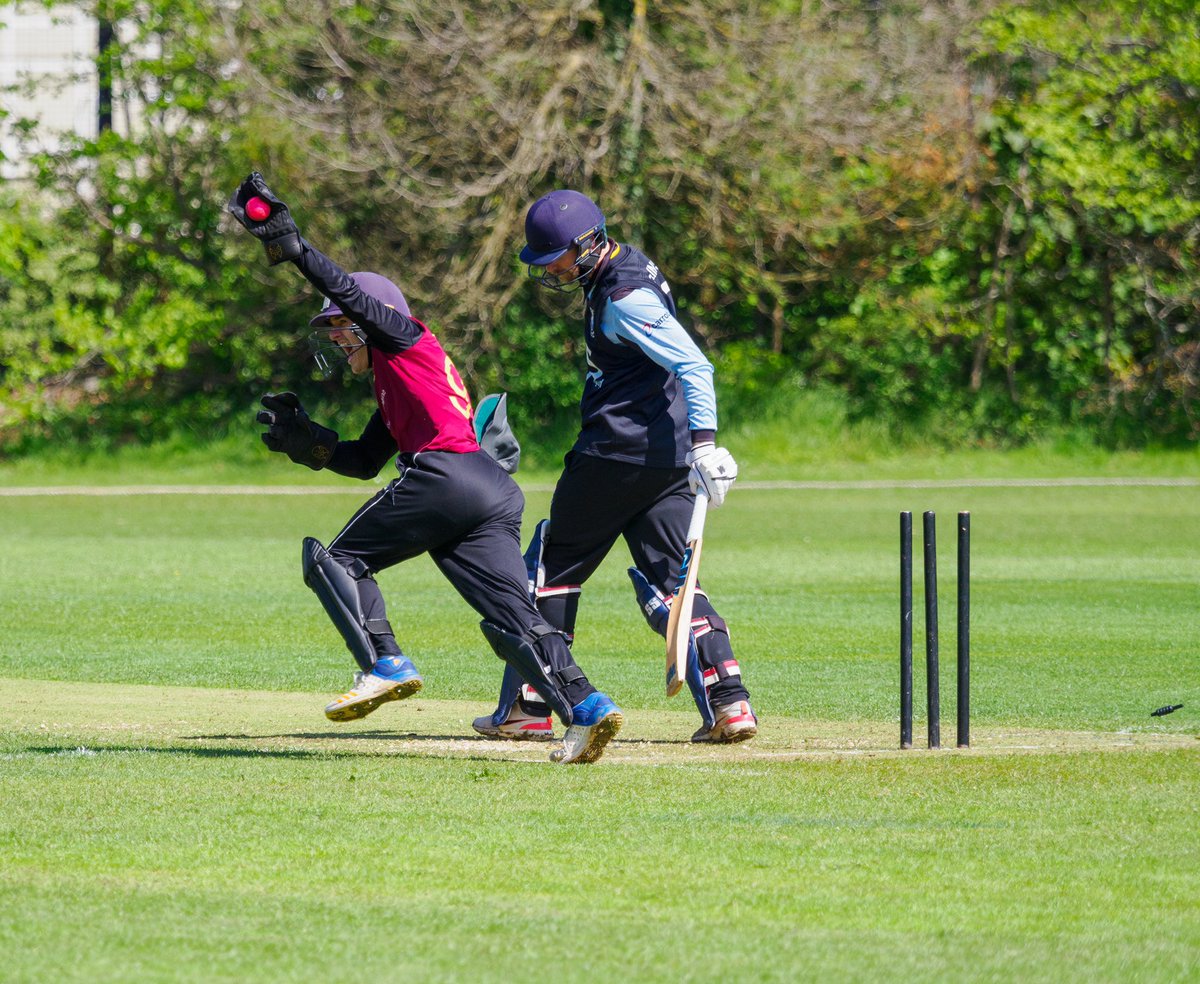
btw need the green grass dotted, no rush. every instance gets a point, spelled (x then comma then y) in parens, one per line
(177, 808)
(795, 433)
(211, 836)
(1085, 601)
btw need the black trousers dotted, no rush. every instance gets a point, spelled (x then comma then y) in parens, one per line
(465, 512)
(598, 500)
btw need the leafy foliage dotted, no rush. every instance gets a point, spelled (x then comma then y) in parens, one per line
(978, 219)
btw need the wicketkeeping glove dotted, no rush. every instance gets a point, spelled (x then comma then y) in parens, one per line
(290, 431)
(713, 469)
(277, 230)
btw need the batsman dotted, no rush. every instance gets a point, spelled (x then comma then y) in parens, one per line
(646, 447)
(451, 499)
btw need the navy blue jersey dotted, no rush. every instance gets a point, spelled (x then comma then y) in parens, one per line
(633, 408)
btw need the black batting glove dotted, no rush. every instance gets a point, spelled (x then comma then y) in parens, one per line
(291, 432)
(275, 229)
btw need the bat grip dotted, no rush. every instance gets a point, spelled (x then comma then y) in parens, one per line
(699, 511)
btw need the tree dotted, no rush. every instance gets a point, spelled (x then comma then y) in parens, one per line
(1095, 141)
(951, 209)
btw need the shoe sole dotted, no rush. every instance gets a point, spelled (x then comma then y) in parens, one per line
(602, 733)
(361, 708)
(497, 735)
(743, 734)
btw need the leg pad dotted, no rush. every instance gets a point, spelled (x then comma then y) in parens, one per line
(541, 658)
(338, 593)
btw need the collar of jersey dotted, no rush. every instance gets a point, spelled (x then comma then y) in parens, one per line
(596, 273)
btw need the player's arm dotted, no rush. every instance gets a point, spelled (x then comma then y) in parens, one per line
(641, 319)
(365, 456)
(386, 328)
(268, 218)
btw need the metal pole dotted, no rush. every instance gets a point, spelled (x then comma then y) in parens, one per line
(932, 695)
(906, 612)
(964, 630)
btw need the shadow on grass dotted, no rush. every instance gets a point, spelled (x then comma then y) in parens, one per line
(413, 736)
(85, 751)
(296, 754)
(338, 736)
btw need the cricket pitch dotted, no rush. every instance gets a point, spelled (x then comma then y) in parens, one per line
(92, 716)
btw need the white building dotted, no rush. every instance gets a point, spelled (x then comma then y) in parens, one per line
(48, 74)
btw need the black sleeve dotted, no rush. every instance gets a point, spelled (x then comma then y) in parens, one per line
(387, 329)
(364, 457)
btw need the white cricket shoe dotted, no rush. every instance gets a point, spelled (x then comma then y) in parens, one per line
(392, 679)
(734, 722)
(518, 726)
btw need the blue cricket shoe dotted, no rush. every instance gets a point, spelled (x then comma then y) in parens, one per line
(596, 719)
(392, 678)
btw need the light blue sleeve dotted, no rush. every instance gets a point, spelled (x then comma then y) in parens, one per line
(641, 319)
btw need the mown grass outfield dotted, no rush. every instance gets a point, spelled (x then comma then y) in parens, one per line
(177, 808)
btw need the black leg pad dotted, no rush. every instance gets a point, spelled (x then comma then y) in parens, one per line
(541, 658)
(338, 592)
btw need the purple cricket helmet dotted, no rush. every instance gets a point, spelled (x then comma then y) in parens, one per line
(377, 285)
(556, 222)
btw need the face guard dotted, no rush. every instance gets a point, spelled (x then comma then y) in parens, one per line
(328, 354)
(590, 244)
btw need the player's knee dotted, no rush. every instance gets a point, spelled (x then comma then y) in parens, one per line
(541, 658)
(356, 567)
(705, 617)
(651, 601)
(559, 605)
(337, 589)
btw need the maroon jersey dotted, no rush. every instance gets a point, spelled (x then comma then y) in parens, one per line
(422, 398)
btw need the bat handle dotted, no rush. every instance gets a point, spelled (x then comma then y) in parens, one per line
(699, 511)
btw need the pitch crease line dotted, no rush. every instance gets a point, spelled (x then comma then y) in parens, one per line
(799, 486)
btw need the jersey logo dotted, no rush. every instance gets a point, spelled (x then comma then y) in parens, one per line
(652, 269)
(649, 326)
(459, 398)
(595, 374)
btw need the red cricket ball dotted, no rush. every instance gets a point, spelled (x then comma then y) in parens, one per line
(257, 209)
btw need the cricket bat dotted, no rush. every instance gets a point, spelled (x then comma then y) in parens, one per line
(679, 624)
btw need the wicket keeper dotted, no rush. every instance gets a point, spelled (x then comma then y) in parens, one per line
(451, 499)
